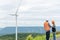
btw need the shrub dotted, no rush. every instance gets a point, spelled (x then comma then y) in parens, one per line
(29, 37)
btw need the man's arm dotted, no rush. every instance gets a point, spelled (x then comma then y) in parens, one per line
(49, 25)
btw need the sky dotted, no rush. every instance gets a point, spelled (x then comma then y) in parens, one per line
(30, 12)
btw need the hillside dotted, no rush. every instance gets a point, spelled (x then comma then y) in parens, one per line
(12, 30)
(8, 37)
(23, 36)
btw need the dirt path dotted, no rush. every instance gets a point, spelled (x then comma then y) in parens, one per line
(56, 39)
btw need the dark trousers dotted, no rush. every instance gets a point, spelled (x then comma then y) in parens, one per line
(47, 35)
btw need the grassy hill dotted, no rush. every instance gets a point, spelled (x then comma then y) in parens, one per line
(26, 36)
(8, 37)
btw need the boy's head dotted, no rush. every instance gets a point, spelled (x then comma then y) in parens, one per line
(53, 22)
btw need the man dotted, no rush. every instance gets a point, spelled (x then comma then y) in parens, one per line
(47, 29)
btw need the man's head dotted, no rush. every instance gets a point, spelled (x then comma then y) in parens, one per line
(46, 20)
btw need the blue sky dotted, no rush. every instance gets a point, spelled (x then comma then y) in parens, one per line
(31, 12)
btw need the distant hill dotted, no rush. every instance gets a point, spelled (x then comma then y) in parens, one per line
(11, 30)
(7, 30)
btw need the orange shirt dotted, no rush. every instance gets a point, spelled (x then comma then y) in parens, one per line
(46, 26)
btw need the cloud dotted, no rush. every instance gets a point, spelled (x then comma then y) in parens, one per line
(40, 10)
(24, 8)
(31, 12)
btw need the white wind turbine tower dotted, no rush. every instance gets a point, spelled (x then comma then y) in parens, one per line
(16, 19)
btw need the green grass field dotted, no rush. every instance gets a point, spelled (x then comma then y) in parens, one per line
(42, 37)
(27, 36)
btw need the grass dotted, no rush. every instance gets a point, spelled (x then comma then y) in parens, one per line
(43, 37)
(27, 36)
(8, 37)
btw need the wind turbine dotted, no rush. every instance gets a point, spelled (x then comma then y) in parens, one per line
(16, 19)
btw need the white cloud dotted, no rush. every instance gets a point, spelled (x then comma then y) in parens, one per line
(32, 12)
(24, 8)
(6, 2)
